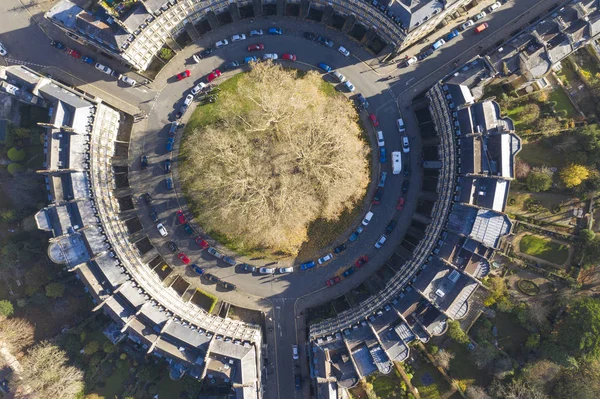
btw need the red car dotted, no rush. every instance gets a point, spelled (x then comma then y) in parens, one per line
(73, 53)
(361, 261)
(332, 281)
(184, 74)
(180, 217)
(256, 47)
(183, 257)
(374, 120)
(289, 57)
(400, 204)
(202, 242)
(213, 75)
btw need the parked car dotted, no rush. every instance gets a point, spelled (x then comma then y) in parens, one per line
(348, 271)
(103, 68)
(382, 155)
(128, 80)
(188, 99)
(183, 75)
(324, 259)
(360, 262)
(74, 53)
(479, 16)
(167, 165)
(381, 241)
(481, 27)
(298, 382)
(169, 183)
(202, 242)
(367, 218)
(362, 101)
(333, 281)
(354, 236)
(184, 258)
(378, 195)
(310, 36)
(231, 65)
(340, 248)
(237, 38)
(494, 6)
(405, 185)
(269, 56)
(144, 161)
(196, 58)
(324, 67)
(256, 32)
(197, 269)
(147, 198)
(180, 217)
(410, 61)
(405, 145)
(88, 60)
(227, 286)
(307, 265)
(344, 51)
(221, 43)
(154, 215)
(467, 25)
(266, 270)
(247, 268)
(256, 47)
(275, 31)
(288, 57)
(380, 139)
(54, 43)
(400, 204)
(349, 86)
(390, 227)
(211, 277)
(213, 75)
(229, 260)
(188, 229)
(206, 52)
(325, 41)
(374, 120)
(382, 180)
(250, 59)
(173, 246)
(162, 230)
(285, 270)
(454, 33)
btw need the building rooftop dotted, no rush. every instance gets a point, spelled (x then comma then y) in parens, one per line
(414, 13)
(482, 191)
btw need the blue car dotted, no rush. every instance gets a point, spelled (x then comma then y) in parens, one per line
(57, 44)
(325, 67)
(382, 157)
(354, 236)
(170, 143)
(197, 269)
(307, 265)
(169, 183)
(275, 31)
(452, 35)
(348, 271)
(88, 60)
(248, 60)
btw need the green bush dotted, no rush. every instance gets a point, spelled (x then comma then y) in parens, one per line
(55, 290)
(91, 348)
(512, 201)
(166, 53)
(17, 155)
(15, 168)
(6, 308)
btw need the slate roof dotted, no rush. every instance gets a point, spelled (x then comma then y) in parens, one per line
(414, 13)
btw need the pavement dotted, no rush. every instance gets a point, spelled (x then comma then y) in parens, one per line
(389, 89)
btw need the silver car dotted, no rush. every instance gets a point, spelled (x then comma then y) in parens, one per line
(266, 270)
(162, 230)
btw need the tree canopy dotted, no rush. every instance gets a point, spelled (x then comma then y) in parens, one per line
(281, 154)
(538, 181)
(579, 332)
(573, 175)
(6, 308)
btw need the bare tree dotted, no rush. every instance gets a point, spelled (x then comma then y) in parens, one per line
(16, 333)
(522, 169)
(516, 389)
(443, 358)
(476, 392)
(280, 155)
(541, 373)
(47, 374)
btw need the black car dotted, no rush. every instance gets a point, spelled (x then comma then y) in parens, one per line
(247, 268)
(231, 65)
(226, 285)
(325, 41)
(154, 215)
(206, 52)
(405, 185)
(167, 165)
(211, 278)
(390, 227)
(407, 171)
(147, 198)
(340, 248)
(362, 101)
(298, 382)
(310, 36)
(144, 162)
(172, 246)
(378, 196)
(4, 388)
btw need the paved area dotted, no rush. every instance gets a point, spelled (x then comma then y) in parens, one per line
(285, 297)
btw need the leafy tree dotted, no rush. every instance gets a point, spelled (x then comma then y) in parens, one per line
(587, 236)
(166, 53)
(108, 347)
(15, 168)
(484, 354)
(456, 332)
(573, 175)
(533, 341)
(91, 348)
(497, 289)
(6, 308)
(55, 290)
(47, 372)
(17, 154)
(549, 126)
(538, 181)
(530, 113)
(582, 382)
(8, 215)
(16, 333)
(579, 332)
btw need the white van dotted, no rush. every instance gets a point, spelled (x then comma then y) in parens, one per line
(400, 124)
(367, 218)
(397, 162)
(411, 61)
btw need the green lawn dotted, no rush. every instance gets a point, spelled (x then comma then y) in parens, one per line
(544, 248)
(513, 113)
(567, 75)
(114, 385)
(539, 153)
(387, 386)
(463, 369)
(433, 390)
(511, 335)
(563, 102)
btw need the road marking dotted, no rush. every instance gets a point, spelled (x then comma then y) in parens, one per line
(19, 62)
(409, 80)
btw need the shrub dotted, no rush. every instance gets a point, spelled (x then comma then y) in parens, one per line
(15, 168)
(556, 209)
(17, 155)
(538, 181)
(108, 347)
(91, 348)
(6, 308)
(166, 53)
(55, 290)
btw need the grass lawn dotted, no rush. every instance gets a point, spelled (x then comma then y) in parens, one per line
(567, 75)
(463, 369)
(167, 388)
(511, 336)
(387, 386)
(114, 384)
(563, 102)
(539, 153)
(544, 248)
(429, 381)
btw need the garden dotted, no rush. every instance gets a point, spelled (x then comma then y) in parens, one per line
(544, 248)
